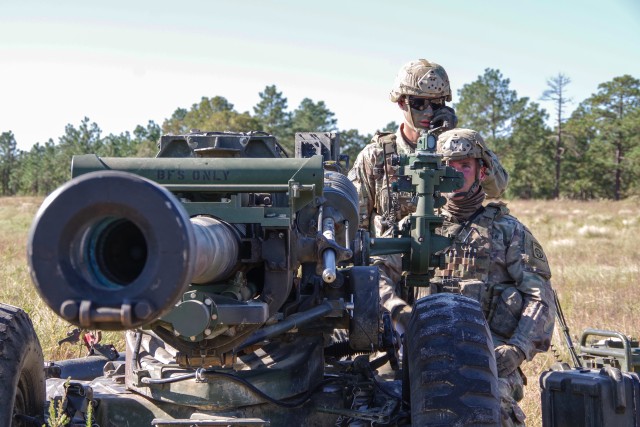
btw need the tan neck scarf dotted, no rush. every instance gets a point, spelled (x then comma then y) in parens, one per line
(460, 210)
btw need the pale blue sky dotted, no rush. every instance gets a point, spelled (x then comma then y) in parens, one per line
(122, 63)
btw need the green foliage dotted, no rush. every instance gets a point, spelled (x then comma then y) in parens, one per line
(488, 105)
(598, 146)
(146, 139)
(390, 127)
(8, 159)
(176, 123)
(557, 93)
(514, 128)
(313, 116)
(310, 116)
(630, 126)
(352, 142)
(528, 154)
(271, 112)
(605, 128)
(57, 416)
(210, 113)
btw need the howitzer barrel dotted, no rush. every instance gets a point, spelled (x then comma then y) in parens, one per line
(216, 249)
(113, 250)
(210, 174)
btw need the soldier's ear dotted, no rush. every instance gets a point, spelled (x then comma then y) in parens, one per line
(483, 173)
(402, 103)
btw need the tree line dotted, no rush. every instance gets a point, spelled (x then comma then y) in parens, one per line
(593, 153)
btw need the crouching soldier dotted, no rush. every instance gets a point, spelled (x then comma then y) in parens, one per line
(496, 260)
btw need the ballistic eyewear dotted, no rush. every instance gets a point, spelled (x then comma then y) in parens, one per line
(421, 104)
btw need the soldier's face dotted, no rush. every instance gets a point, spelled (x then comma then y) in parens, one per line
(470, 170)
(419, 110)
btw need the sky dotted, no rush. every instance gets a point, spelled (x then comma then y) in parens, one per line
(123, 63)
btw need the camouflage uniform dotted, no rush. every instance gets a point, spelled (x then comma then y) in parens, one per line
(496, 260)
(373, 174)
(379, 207)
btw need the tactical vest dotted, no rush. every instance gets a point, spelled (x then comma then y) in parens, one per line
(391, 206)
(469, 256)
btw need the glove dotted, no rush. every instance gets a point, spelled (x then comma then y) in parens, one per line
(442, 115)
(508, 358)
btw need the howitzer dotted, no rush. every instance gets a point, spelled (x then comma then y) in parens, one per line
(234, 267)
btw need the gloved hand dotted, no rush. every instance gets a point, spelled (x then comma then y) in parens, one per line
(508, 358)
(444, 114)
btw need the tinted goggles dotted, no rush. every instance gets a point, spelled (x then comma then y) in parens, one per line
(421, 104)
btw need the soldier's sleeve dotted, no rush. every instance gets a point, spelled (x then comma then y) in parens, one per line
(497, 179)
(362, 177)
(527, 264)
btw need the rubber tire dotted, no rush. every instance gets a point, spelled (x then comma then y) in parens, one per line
(452, 373)
(22, 382)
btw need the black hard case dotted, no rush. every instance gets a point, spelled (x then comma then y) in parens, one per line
(590, 398)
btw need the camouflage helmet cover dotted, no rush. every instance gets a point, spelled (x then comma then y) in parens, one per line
(458, 144)
(421, 78)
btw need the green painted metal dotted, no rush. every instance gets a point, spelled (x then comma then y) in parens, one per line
(423, 174)
(300, 179)
(211, 174)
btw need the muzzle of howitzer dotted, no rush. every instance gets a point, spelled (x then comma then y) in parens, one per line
(112, 250)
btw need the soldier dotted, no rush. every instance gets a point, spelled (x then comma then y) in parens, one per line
(496, 260)
(421, 90)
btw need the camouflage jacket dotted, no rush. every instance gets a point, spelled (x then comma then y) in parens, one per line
(495, 259)
(378, 205)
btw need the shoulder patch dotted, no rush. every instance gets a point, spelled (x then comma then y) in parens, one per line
(535, 258)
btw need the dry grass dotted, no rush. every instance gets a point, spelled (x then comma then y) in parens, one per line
(591, 247)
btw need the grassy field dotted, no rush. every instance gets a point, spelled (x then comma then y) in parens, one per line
(591, 247)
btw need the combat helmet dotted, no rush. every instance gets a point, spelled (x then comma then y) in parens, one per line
(421, 78)
(458, 144)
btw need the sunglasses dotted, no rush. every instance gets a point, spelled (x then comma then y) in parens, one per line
(422, 103)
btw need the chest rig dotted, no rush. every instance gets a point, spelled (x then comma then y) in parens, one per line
(469, 256)
(391, 205)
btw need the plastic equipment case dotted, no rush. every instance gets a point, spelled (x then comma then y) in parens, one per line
(590, 398)
(606, 392)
